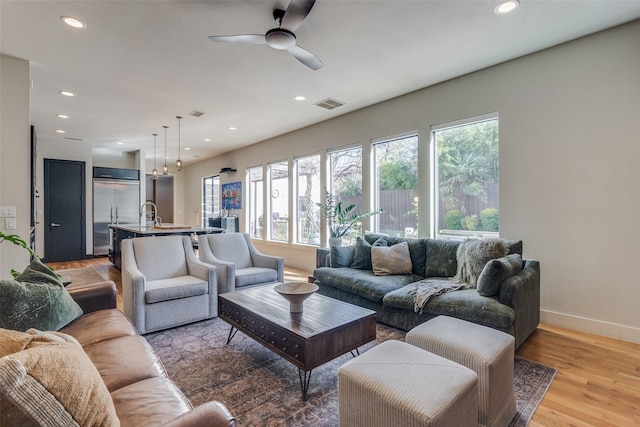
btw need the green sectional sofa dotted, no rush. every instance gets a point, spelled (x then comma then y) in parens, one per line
(513, 308)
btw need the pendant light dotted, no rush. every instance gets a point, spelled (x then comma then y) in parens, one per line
(155, 171)
(165, 168)
(178, 162)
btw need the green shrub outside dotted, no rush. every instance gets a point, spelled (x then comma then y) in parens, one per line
(470, 222)
(453, 219)
(489, 219)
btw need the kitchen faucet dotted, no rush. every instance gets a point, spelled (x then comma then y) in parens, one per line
(154, 214)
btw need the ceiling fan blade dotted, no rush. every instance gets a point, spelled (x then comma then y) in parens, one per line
(295, 13)
(306, 57)
(244, 38)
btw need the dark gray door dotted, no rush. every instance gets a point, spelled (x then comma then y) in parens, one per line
(64, 210)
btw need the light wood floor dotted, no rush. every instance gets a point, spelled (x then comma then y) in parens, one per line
(598, 380)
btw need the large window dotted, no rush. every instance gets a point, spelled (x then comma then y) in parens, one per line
(396, 186)
(307, 173)
(345, 183)
(466, 202)
(210, 199)
(255, 197)
(279, 201)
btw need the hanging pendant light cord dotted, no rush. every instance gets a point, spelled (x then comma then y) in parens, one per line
(155, 171)
(165, 169)
(178, 161)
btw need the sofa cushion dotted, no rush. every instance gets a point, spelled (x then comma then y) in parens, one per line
(464, 304)
(362, 252)
(362, 282)
(150, 403)
(159, 257)
(472, 255)
(441, 258)
(342, 256)
(391, 260)
(515, 247)
(174, 288)
(495, 271)
(417, 250)
(124, 361)
(231, 247)
(99, 326)
(32, 393)
(36, 299)
(253, 275)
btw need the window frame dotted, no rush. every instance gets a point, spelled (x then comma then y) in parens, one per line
(434, 202)
(215, 200)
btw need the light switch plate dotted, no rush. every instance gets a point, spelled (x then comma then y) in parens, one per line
(7, 211)
(10, 223)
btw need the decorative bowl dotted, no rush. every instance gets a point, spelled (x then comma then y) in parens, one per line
(296, 293)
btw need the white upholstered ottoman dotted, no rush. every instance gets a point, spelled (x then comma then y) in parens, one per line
(397, 384)
(490, 353)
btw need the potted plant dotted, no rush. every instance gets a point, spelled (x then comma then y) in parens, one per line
(339, 219)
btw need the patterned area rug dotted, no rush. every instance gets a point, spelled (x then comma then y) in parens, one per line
(80, 276)
(262, 389)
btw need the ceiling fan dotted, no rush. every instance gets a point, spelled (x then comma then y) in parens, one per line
(282, 37)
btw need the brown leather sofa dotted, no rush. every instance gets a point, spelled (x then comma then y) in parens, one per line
(142, 393)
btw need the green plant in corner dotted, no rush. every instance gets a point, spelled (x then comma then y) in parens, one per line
(339, 219)
(16, 240)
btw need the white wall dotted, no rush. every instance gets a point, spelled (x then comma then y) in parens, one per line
(14, 157)
(569, 148)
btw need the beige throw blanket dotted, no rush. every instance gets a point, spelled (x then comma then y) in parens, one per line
(427, 288)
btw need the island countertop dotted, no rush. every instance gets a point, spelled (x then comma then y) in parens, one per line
(119, 232)
(164, 229)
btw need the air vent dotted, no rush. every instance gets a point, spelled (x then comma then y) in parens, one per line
(72, 139)
(329, 103)
(196, 113)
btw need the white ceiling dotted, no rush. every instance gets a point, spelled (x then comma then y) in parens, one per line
(139, 64)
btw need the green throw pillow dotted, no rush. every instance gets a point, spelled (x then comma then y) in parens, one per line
(442, 258)
(342, 256)
(362, 254)
(495, 271)
(36, 299)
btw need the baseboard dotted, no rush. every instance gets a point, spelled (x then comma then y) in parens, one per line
(592, 326)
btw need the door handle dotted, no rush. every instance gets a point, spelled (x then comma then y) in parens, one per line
(54, 225)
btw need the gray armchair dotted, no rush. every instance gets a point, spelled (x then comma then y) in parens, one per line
(239, 263)
(164, 284)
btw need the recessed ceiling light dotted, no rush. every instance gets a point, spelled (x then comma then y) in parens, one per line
(187, 148)
(120, 143)
(60, 131)
(66, 93)
(506, 6)
(233, 128)
(62, 116)
(300, 98)
(207, 140)
(73, 22)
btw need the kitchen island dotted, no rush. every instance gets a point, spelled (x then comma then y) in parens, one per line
(118, 232)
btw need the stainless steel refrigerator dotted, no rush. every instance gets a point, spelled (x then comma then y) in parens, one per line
(114, 202)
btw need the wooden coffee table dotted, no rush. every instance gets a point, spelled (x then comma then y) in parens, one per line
(326, 328)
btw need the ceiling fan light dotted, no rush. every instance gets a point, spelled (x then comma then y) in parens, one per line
(279, 38)
(507, 6)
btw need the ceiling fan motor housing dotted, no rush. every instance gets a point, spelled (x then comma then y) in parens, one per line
(279, 38)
